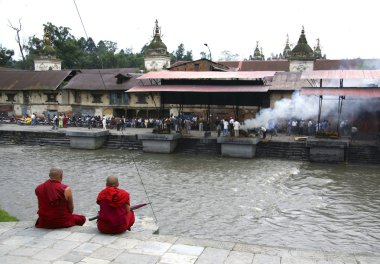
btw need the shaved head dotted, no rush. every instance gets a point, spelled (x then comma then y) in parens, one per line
(112, 181)
(55, 173)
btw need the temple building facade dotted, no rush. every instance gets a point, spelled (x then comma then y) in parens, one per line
(302, 55)
(156, 55)
(301, 58)
(47, 60)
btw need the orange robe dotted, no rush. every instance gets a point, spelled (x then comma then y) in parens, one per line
(113, 217)
(53, 208)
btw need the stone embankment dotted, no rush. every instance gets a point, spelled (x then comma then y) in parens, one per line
(21, 243)
(283, 147)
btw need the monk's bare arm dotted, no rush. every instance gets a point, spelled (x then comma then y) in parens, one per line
(128, 208)
(69, 198)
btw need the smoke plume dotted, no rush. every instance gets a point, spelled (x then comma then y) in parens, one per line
(306, 108)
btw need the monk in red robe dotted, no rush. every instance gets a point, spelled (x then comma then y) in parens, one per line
(55, 203)
(115, 215)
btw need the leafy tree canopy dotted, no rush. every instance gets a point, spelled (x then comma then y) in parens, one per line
(181, 54)
(6, 56)
(76, 53)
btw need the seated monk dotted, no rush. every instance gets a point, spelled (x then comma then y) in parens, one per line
(115, 215)
(55, 203)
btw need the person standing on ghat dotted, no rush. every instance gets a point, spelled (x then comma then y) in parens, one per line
(104, 123)
(236, 128)
(55, 203)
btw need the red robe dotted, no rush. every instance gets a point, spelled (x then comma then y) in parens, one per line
(53, 208)
(113, 217)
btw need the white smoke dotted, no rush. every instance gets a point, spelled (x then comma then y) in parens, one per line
(298, 107)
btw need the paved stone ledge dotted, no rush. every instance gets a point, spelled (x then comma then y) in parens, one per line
(20, 243)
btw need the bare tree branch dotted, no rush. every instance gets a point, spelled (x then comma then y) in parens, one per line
(18, 39)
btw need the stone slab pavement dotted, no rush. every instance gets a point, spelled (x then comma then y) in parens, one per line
(21, 243)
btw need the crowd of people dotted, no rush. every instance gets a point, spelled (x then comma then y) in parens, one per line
(311, 127)
(185, 124)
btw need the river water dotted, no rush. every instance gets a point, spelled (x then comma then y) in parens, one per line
(261, 201)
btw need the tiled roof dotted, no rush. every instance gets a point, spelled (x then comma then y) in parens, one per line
(341, 74)
(354, 64)
(32, 80)
(188, 75)
(201, 88)
(112, 70)
(288, 81)
(177, 63)
(252, 65)
(216, 65)
(101, 81)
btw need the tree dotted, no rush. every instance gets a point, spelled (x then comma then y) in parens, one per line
(203, 55)
(90, 45)
(78, 53)
(188, 56)
(18, 39)
(6, 56)
(180, 54)
(228, 56)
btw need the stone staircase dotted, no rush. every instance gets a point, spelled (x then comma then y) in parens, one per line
(129, 142)
(282, 150)
(198, 146)
(33, 138)
(363, 154)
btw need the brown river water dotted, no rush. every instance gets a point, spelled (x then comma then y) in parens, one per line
(262, 201)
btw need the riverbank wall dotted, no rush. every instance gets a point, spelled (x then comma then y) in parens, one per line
(361, 152)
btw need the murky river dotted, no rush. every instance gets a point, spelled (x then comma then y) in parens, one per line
(261, 201)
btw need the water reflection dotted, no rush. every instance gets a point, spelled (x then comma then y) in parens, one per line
(272, 202)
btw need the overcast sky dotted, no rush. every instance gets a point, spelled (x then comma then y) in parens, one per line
(346, 29)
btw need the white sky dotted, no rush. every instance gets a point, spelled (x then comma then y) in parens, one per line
(346, 29)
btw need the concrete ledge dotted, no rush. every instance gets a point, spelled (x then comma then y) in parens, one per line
(159, 143)
(87, 139)
(327, 150)
(238, 147)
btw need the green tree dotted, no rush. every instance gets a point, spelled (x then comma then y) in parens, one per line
(188, 56)
(6, 56)
(79, 53)
(181, 54)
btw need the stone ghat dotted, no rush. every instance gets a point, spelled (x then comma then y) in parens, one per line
(20, 242)
(281, 147)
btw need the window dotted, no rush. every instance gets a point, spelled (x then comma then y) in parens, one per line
(97, 98)
(26, 97)
(196, 67)
(77, 97)
(118, 98)
(11, 97)
(51, 97)
(141, 98)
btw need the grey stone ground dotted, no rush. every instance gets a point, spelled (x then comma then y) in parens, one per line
(20, 242)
